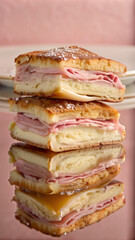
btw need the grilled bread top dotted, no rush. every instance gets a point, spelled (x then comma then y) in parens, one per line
(71, 56)
(54, 110)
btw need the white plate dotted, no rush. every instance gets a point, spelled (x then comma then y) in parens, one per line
(128, 78)
(7, 82)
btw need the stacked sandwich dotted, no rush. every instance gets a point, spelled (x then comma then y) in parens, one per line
(72, 143)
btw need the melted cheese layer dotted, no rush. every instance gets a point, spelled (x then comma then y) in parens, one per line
(69, 88)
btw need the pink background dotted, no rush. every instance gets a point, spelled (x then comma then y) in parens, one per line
(67, 21)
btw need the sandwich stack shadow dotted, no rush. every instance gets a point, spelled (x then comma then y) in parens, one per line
(71, 151)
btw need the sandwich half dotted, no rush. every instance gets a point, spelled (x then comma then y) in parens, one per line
(46, 172)
(61, 125)
(60, 214)
(69, 73)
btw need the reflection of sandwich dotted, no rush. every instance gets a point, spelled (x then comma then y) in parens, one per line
(47, 172)
(61, 125)
(59, 214)
(69, 73)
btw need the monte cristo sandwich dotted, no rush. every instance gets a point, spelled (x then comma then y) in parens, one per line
(61, 125)
(60, 214)
(47, 172)
(69, 73)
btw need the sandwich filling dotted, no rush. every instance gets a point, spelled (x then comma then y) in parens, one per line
(26, 72)
(37, 173)
(63, 210)
(29, 122)
(73, 216)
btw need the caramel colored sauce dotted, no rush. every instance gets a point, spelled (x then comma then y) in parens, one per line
(53, 202)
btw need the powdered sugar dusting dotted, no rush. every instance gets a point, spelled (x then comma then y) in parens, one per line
(65, 53)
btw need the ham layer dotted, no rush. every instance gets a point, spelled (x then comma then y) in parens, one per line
(73, 216)
(37, 173)
(29, 122)
(26, 72)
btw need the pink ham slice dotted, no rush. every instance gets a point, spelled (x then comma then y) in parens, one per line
(33, 170)
(26, 72)
(96, 76)
(73, 216)
(36, 173)
(29, 122)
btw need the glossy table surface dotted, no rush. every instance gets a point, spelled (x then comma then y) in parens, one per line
(119, 225)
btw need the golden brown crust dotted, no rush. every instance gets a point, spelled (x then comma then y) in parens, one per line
(71, 56)
(56, 106)
(94, 181)
(59, 54)
(81, 223)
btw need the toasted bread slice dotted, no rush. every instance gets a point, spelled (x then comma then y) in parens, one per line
(46, 172)
(69, 73)
(71, 56)
(60, 213)
(87, 220)
(61, 125)
(55, 110)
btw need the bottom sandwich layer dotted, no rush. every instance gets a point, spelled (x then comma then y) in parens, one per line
(31, 222)
(58, 214)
